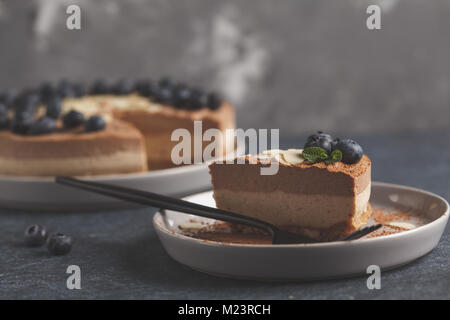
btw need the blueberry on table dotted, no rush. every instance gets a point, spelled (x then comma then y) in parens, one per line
(95, 123)
(73, 119)
(351, 151)
(214, 101)
(43, 125)
(54, 108)
(59, 244)
(35, 235)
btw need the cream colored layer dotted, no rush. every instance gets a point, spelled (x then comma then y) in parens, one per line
(309, 211)
(119, 162)
(361, 201)
(102, 103)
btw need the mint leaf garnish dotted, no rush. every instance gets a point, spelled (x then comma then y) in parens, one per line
(335, 156)
(315, 154)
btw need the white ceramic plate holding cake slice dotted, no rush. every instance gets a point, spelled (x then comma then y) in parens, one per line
(310, 261)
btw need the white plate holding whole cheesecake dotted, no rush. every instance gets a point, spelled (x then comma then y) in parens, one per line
(42, 193)
(116, 133)
(335, 259)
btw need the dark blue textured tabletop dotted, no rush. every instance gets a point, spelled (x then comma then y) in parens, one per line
(121, 257)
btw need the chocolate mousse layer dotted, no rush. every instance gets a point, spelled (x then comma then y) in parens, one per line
(338, 178)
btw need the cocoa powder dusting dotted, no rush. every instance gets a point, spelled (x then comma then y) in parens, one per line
(233, 233)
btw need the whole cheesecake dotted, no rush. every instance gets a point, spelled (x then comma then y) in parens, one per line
(134, 135)
(325, 200)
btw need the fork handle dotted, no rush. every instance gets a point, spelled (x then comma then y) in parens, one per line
(165, 202)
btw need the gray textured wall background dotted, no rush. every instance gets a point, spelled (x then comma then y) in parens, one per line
(297, 65)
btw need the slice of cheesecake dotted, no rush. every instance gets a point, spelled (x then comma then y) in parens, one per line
(157, 123)
(319, 200)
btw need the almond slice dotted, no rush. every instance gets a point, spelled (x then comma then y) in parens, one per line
(293, 156)
(272, 152)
